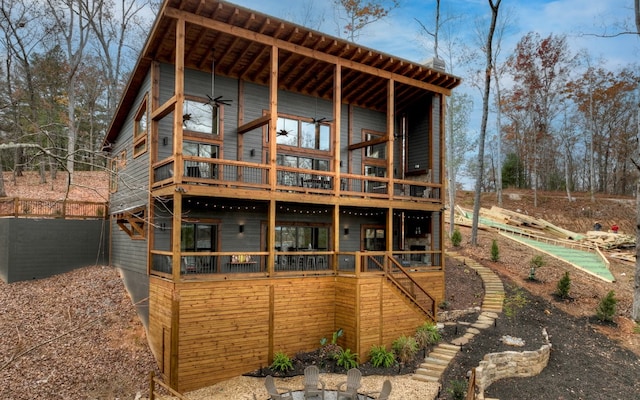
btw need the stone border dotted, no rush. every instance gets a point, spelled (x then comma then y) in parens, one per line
(511, 364)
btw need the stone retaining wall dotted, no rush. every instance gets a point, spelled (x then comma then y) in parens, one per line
(511, 364)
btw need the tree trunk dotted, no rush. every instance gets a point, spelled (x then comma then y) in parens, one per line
(483, 126)
(635, 309)
(3, 193)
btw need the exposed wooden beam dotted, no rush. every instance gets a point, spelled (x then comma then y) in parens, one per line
(284, 45)
(256, 123)
(372, 142)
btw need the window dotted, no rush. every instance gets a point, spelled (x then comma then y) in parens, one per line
(141, 129)
(304, 134)
(198, 237)
(201, 116)
(302, 162)
(377, 171)
(378, 150)
(292, 238)
(197, 169)
(374, 239)
(113, 169)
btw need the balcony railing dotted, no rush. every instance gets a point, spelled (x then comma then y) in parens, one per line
(240, 174)
(201, 265)
(33, 208)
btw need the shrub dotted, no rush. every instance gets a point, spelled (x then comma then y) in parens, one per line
(380, 357)
(405, 348)
(457, 389)
(346, 359)
(427, 334)
(607, 308)
(495, 252)
(281, 362)
(456, 238)
(334, 338)
(564, 285)
(514, 303)
(330, 350)
(536, 262)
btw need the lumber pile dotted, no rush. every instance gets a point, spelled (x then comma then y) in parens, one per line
(617, 245)
(609, 240)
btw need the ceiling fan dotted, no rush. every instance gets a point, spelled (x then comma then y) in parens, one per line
(282, 132)
(216, 101)
(321, 120)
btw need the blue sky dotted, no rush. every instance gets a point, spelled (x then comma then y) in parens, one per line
(399, 34)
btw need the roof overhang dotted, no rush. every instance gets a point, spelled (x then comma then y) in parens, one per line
(240, 41)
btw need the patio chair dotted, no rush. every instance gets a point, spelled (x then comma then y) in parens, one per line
(349, 389)
(313, 386)
(382, 394)
(277, 393)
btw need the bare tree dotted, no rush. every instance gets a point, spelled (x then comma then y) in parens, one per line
(485, 112)
(70, 24)
(360, 13)
(116, 33)
(635, 311)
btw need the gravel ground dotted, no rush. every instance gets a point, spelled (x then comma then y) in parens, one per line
(72, 336)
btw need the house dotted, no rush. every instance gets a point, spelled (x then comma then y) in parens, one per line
(270, 185)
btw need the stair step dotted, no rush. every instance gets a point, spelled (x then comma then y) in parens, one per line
(426, 378)
(429, 372)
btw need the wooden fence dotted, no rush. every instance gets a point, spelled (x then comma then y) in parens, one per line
(34, 208)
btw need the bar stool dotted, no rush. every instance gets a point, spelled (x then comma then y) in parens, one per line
(311, 262)
(320, 262)
(300, 263)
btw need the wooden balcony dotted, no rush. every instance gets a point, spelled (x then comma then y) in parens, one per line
(66, 209)
(225, 265)
(245, 175)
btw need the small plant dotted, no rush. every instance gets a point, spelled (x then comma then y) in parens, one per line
(456, 238)
(636, 328)
(346, 359)
(607, 308)
(380, 357)
(427, 334)
(514, 303)
(536, 262)
(457, 389)
(281, 362)
(495, 251)
(444, 305)
(405, 348)
(564, 285)
(330, 350)
(334, 338)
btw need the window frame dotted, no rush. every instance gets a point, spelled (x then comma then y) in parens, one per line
(218, 123)
(141, 133)
(298, 131)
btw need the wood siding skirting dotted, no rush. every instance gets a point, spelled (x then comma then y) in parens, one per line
(228, 328)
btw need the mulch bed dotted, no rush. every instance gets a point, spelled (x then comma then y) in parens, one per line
(584, 364)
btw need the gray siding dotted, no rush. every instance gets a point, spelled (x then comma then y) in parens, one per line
(418, 138)
(436, 175)
(133, 177)
(33, 249)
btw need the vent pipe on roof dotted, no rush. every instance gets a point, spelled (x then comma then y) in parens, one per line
(435, 63)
